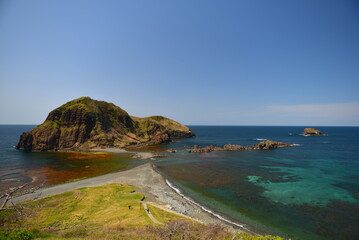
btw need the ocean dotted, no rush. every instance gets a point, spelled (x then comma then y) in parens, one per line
(307, 191)
(49, 168)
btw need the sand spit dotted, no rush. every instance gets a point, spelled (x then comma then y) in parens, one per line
(109, 150)
(140, 155)
(148, 181)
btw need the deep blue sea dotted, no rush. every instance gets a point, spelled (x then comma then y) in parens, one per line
(308, 191)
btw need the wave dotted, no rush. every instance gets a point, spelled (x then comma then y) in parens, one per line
(259, 139)
(204, 208)
(10, 180)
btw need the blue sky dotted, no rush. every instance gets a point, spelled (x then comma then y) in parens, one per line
(198, 62)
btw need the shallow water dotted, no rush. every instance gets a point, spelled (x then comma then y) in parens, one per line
(47, 168)
(309, 191)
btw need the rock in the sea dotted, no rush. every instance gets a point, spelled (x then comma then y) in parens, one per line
(198, 149)
(312, 132)
(171, 150)
(159, 156)
(264, 145)
(233, 147)
(84, 123)
(268, 144)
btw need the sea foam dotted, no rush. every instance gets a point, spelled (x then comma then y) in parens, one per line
(204, 208)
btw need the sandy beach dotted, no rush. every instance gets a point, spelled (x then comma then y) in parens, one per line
(148, 181)
(140, 155)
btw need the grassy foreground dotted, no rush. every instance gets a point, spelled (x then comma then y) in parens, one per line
(107, 212)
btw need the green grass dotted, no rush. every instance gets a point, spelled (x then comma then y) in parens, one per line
(112, 211)
(103, 213)
(105, 208)
(147, 123)
(163, 216)
(98, 206)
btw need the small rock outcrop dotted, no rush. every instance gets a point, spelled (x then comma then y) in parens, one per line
(84, 124)
(264, 145)
(268, 144)
(312, 132)
(233, 147)
(171, 150)
(198, 149)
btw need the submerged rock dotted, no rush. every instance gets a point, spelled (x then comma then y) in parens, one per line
(233, 147)
(264, 145)
(198, 149)
(171, 150)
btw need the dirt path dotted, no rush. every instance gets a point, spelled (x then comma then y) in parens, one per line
(149, 214)
(169, 210)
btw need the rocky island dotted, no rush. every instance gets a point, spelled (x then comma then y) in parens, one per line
(312, 132)
(84, 124)
(264, 145)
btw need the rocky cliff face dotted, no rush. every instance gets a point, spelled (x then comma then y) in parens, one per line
(84, 123)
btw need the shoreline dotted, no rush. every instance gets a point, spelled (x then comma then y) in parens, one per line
(139, 155)
(149, 182)
(32, 180)
(216, 215)
(233, 225)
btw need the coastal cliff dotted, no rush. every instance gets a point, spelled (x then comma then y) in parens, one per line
(84, 124)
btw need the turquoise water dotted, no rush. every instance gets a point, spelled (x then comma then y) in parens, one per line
(309, 191)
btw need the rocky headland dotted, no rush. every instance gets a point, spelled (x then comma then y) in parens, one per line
(312, 132)
(84, 124)
(264, 145)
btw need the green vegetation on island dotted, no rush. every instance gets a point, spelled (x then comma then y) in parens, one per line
(84, 124)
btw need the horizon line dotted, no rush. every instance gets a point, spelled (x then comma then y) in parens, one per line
(210, 125)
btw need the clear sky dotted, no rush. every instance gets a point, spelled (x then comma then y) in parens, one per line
(198, 62)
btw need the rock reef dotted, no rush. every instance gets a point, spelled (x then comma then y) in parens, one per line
(264, 145)
(268, 144)
(85, 124)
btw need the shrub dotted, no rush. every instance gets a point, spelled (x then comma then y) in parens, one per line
(18, 234)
